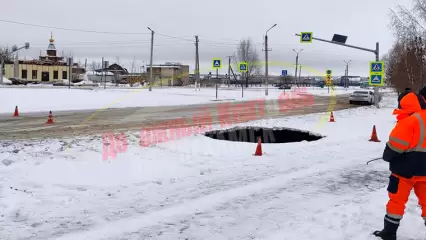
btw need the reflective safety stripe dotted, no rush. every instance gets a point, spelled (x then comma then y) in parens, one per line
(390, 220)
(399, 141)
(419, 147)
(398, 150)
(395, 216)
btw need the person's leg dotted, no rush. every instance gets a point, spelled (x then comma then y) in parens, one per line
(420, 191)
(399, 190)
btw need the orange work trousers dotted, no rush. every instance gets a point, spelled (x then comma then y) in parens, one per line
(399, 191)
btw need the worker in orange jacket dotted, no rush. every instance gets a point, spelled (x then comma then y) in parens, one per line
(406, 153)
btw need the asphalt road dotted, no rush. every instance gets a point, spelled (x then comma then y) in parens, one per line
(70, 124)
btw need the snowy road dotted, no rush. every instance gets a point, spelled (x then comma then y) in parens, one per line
(88, 122)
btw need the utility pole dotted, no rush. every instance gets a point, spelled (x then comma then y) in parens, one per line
(347, 73)
(266, 59)
(70, 62)
(229, 70)
(297, 63)
(266, 65)
(150, 61)
(300, 73)
(197, 64)
(102, 70)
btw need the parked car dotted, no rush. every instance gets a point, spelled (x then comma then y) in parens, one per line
(16, 81)
(285, 87)
(362, 97)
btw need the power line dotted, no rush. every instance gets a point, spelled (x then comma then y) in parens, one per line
(71, 29)
(125, 44)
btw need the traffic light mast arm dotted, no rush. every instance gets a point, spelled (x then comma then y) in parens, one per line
(343, 44)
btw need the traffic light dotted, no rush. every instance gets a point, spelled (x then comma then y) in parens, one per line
(328, 80)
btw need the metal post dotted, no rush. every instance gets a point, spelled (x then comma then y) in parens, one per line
(266, 65)
(197, 64)
(1, 70)
(150, 61)
(376, 89)
(346, 83)
(229, 71)
(266, 59)
(16, 67)
(217, 78)
(300, 73)
(102, 70)
(69, 72)
(242, 91)
(297, 64)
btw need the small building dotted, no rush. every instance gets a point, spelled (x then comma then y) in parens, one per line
(170, 74)
(47, 68)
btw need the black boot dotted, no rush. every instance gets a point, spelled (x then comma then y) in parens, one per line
(389, 231)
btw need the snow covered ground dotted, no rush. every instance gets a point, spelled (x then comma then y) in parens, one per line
(43, 99)
(200, 188)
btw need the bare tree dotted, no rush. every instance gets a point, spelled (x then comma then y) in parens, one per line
(5, 54)
(405, 62)
(246, 52)
(95, 66)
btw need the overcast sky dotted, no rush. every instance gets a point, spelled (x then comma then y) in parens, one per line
(219, 24)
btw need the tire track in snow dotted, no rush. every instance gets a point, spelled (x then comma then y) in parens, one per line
(207, 202)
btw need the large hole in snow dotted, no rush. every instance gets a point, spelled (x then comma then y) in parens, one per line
(268, 135)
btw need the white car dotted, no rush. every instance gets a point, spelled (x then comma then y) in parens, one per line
(362, 97)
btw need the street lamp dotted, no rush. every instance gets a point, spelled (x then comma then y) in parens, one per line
(14, 49)
(266, 59)
(152, 50)
(347, 73)
(297, 64)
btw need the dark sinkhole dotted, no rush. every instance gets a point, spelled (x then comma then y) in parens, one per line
(267, 135)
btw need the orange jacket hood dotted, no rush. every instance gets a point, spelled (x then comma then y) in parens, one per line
(410, 103)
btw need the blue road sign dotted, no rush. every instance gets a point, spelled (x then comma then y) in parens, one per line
(284, 72)
(217, 63)
(376, 67)
(306, 37)
(243, 67)
(329, 72)
(376, 79)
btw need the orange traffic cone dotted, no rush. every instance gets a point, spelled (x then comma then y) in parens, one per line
(332, 117)
(259, 147)
(50, 120)
(16, 114)
(374, 137)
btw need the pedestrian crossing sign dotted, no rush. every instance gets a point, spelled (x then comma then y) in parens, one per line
(217, 63)
(376, 80)
(306, 37)
(242, 66)
(377, 68)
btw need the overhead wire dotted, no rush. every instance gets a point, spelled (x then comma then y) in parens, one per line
(225, 43)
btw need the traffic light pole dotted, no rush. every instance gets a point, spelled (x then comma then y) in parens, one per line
(376, 52)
